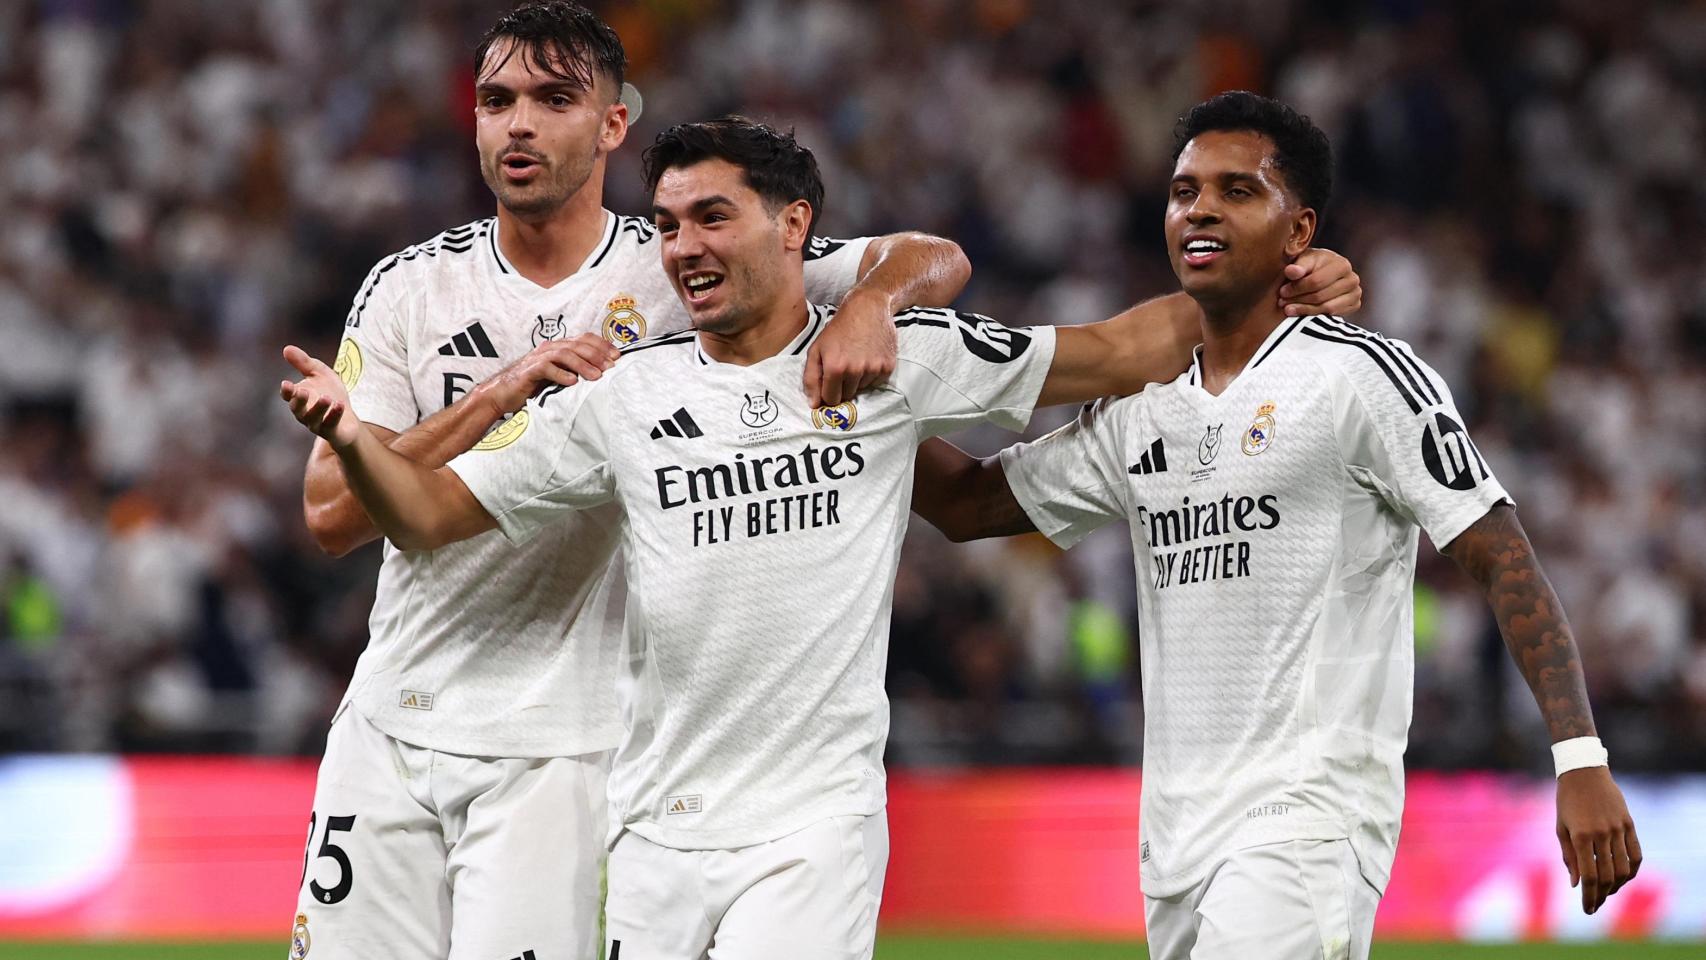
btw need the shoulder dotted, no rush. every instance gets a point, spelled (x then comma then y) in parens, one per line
(926, 332)
(819, 247)
(629, 239)
(393, 274)
(1374, 365)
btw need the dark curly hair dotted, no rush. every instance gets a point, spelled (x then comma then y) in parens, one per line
(1301, 151)
(777, 167)
(565, 40)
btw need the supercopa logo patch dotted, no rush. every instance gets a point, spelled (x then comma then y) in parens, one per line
(549, 328)
(758, 410)
(348, 364)
(622, 323)
(840, 417)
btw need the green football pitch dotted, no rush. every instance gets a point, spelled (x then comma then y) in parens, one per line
(916, 948)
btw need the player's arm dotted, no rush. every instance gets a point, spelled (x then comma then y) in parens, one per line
(965, 497)
(415, 506)
(1595, 831)
(897, 271)
(1153, 341)
(334, 514)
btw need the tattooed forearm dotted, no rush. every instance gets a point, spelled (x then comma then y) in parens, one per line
(964, 497)
(1496, 552)
(998, 512)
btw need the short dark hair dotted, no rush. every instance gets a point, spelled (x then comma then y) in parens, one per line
(777, 167)
(1301, 151)
(563, 39)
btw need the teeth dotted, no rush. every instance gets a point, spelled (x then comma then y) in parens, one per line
(702, 281)
(1204, 246)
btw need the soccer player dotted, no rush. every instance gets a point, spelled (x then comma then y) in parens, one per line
(1275, 491)
(761, 536)
(460, 806)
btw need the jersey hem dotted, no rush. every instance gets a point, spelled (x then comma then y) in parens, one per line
(600, 741)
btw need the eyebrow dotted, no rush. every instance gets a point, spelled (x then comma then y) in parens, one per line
(698, 206)
(550, 86)
(1236, 176)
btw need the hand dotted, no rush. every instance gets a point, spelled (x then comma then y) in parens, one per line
(1596, 834)
(319, 400)
(554, 361)
(856, 351)
(1320, 281)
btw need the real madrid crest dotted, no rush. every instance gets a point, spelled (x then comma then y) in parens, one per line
(622, 323)
(505, 433)
(1259, 435)
(839, 418)
(300, 941)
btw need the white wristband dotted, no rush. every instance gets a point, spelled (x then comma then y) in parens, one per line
(1577, 753)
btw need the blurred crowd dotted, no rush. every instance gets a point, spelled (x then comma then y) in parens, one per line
(189, 184)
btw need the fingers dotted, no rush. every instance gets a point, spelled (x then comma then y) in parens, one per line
(1604, 868)
(1621, 867)
(1569, 855)
(1591, 897)
(1633, 843)
(304, 364)
(814, 378)
(1338, 297)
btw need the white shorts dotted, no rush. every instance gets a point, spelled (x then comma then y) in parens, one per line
(811, 895)
(415, 854)
(1279, 901)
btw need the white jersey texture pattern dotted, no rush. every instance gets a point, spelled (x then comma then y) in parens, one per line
(761, 543)
(1275, 533)
(482, 648)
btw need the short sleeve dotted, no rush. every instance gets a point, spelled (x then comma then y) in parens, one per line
(832, 267)
(551, 456)
(373, 359)
(956, 369)
(1072, 481)
(1402, 437)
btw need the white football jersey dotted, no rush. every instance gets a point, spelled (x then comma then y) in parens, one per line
(1275, 531)
(761, 543)
(483, 648)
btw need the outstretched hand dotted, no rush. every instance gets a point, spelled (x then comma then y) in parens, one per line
(1320, 281)
(1596, 834)
(319, 401)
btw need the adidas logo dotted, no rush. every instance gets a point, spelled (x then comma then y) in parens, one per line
(471, 342)
(679, 424)
(1154, 460)
(415, 700)
(525, 955)
(686, 803)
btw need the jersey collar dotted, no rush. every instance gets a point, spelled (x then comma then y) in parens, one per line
(1279, 333)
(817, 316)
(600, 251)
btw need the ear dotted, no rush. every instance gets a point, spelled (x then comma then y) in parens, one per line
(795, 221)
(1302, 233)
(615, 127)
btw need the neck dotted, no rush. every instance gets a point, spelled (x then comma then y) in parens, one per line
(1232, 331)
(547, 248)
(781, 323)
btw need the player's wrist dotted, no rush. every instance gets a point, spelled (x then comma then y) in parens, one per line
(1578, 753)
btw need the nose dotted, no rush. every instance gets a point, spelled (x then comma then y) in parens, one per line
(688, 242)
(521, 125)
(1203, 209)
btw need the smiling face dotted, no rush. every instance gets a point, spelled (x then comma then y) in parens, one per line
(1232, 223)
(729, 254)
(541, 136)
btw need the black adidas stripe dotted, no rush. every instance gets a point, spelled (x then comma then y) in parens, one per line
(817, 322)
(674, 339)
(1329, 337)
(609, 242)
(478, 333)
(1277, 341)
(1406, 364)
